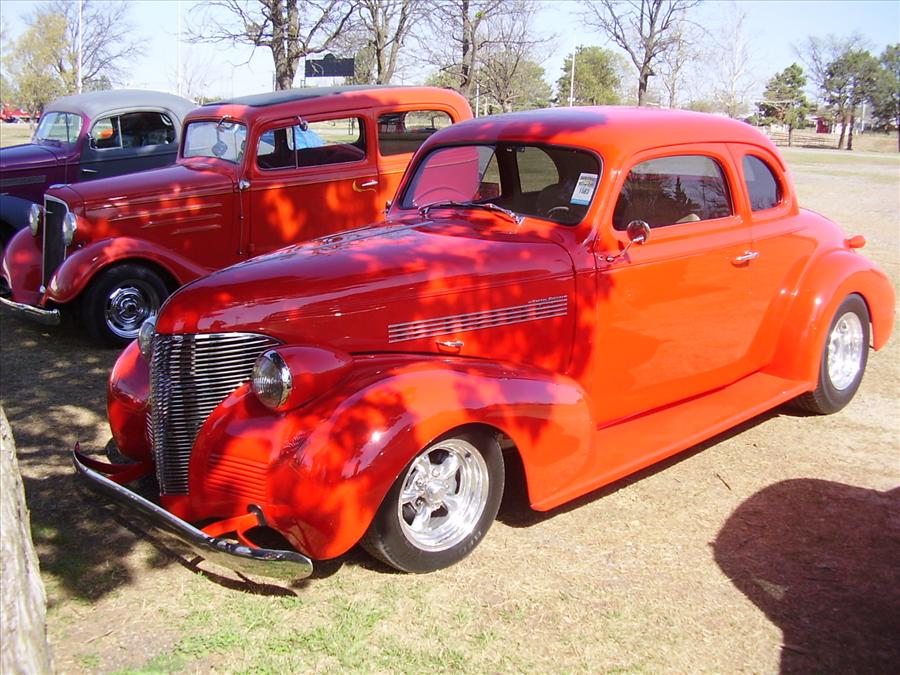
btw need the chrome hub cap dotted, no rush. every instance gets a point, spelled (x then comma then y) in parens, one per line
(845, 351)
(128, 306)
(443, 495)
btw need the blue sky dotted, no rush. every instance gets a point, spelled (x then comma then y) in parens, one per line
(771, 26)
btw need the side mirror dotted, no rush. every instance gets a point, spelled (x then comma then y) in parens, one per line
(638, 233)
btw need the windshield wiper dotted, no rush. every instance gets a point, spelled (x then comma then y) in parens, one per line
(487, 206)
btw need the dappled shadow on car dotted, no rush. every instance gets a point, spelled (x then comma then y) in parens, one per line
(820, 559)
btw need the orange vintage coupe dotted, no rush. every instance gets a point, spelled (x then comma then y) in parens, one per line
(589, 289)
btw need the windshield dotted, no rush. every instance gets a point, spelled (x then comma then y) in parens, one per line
(224, 139)
(59, 127)
(549, 182)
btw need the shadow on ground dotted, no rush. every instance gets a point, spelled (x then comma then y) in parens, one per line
(821, 560)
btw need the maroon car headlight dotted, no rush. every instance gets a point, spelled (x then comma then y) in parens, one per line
(34, 218)
(286, 377)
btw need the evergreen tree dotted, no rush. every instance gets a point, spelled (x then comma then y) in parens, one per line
(784, 101)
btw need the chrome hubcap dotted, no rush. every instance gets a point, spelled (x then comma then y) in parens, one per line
(845, 351)
(443, 495)
(127, 307)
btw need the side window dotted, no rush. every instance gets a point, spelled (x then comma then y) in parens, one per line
(404, 132)
(330, 142)
(133, 130)
(671, 190)
(763, 187)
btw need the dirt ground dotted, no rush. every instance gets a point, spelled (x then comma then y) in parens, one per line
(772, 547)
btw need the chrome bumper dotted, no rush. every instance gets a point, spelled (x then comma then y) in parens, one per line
(281, 565)
(48, 317)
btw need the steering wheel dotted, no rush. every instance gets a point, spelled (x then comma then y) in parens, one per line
(558, 210)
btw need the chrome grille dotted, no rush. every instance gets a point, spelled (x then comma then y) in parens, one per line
(189, 376)
(54, 249)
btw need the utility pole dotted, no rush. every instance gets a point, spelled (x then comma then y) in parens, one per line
(80, 46)
(178, 80)
(572, 77)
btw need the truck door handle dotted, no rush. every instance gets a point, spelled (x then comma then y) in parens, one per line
(367, 185)
(89, 171)
(747, 256)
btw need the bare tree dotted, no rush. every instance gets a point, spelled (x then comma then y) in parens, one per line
(109, 41)
(818, 53)
(674, 63)
(733, 65)
(455, 33)
(645, 29)
(386, 24)
(508, 52)
(290, 29)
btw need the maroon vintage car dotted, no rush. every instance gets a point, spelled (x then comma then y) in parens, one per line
(84, 137)
(253, 174)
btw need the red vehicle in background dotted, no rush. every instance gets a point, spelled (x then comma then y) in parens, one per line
(252, 175)
(579, 291)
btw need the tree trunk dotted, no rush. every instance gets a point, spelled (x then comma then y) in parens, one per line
(643, 79)
(790, 135)
(843, 132)
(850, 136)
(23, 626)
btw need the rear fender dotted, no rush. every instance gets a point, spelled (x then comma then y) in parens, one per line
(79, 268)
(328, 465)
(816, 298)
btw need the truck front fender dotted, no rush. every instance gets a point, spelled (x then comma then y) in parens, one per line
(80, 267)
(22, 267)
(832, 278)
(13, 215)
(327, 466)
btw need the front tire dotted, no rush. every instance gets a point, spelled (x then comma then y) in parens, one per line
(441, 505)
(119, 301)
(844, 358)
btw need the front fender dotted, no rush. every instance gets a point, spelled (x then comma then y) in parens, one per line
(22, 267)
(79, 268)
(323, 469)
(832, 278)
(14, 211)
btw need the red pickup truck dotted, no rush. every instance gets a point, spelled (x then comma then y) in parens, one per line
(252, 175)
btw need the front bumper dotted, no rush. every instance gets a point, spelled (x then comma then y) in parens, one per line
(276, 564)
(48, 317)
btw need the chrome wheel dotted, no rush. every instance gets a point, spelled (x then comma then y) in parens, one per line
(443, 495)
(845, 350)
(128, 305)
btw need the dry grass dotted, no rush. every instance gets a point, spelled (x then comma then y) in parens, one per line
(771, 546)
(14, 134)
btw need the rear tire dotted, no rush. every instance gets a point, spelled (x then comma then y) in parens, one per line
(119, 300)
(844, 358)
(441, 505)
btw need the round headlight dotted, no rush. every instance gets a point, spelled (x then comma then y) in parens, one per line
(145, 338)
(69, 227)
(34, 218)
(271, 380)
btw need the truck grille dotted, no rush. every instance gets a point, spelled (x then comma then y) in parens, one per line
(54, 249)
(189, 376)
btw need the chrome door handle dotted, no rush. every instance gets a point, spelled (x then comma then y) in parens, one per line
(89, 171)
(369, 183)
(748, 255)
(365, 186)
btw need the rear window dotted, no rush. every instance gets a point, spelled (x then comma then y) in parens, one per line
(762, 185)
(404, 132)
(673, 190)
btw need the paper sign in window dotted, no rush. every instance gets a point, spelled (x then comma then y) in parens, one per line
(584, 189)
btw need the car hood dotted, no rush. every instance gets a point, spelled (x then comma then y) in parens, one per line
(391, 287)
(29, 156)
(174, 181)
